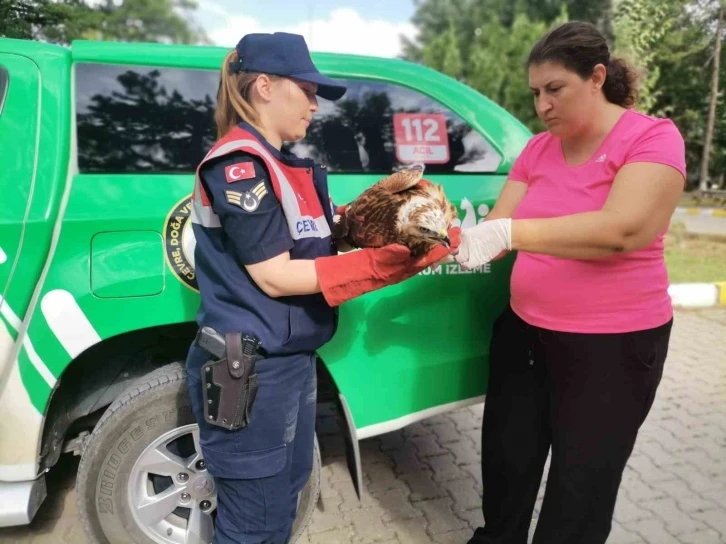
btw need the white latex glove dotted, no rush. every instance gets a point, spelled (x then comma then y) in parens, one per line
(480, 244)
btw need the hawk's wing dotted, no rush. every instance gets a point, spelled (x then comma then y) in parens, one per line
(370, 220)
(401, 180)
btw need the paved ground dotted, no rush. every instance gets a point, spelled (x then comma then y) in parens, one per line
(702, 224)
(423, 481)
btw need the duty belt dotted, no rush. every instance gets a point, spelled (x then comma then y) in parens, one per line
(229, 382)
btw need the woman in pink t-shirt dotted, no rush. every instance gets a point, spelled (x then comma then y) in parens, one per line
(578, 356)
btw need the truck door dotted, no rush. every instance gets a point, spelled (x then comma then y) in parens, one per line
(424, 341)
(19, 114)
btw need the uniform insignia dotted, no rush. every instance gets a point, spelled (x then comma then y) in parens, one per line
(249, 200)
(239, 171)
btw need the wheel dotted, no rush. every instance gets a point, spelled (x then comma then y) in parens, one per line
(142, 478)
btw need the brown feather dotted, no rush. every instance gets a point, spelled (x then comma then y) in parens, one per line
(372, 219)
(401, 180)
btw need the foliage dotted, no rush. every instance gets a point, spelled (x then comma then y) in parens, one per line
(485, 43)
(61, 21)
(27, 19)
(467, 40)
(368, 120)
(143, 125)
(499, 66)
(685, 62)
(640, 27)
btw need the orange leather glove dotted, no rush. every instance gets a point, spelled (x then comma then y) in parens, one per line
(345, 277)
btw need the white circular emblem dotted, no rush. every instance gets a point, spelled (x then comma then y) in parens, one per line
(250, 202)
(188, 243)
(203, 487)
(180, 242)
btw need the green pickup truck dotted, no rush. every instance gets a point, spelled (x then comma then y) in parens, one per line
(99, 143)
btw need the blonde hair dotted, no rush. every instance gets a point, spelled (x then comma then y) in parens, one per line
(233, 97)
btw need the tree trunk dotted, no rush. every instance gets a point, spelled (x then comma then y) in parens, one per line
(714, 98)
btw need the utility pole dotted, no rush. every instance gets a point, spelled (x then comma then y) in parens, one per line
(703, 179)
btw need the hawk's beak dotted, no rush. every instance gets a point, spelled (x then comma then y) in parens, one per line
(445, 238)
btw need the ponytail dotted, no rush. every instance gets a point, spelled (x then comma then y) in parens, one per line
(620, 83)
(233, 97)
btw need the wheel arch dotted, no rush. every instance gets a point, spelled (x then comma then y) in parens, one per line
(328, 391)
(94, 379)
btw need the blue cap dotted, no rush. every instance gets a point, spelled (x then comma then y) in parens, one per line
(283, 54)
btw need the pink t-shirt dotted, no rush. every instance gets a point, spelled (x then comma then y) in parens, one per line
(620, 293)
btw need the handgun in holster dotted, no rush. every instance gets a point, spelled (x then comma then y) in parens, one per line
(229, 383)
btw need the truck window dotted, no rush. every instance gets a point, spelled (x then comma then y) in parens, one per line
(161, 120)
(4, 80)
(378, 126)
(143, 119)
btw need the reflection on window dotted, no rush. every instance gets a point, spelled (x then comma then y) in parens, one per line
(356, 133)
(149, 119)
(4, 80)
(134, 119)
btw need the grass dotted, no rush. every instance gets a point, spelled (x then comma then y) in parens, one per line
(692, 200)
(694, 258)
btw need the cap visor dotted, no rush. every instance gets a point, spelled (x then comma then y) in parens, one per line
(327, 88)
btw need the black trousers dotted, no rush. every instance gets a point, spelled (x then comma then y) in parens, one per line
(583, 395)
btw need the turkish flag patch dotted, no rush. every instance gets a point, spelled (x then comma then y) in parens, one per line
(241, 170)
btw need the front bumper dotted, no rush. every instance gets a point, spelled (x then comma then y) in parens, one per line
(19, 501)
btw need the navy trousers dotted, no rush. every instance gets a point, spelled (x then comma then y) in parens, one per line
(260, 470)
(583, 395)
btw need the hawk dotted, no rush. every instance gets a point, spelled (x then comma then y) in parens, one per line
(400, 209)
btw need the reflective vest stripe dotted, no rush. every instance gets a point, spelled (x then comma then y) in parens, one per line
(202, 212)
(300, 226)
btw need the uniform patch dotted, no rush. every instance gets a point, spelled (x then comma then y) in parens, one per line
(238, 171)
(249, 201)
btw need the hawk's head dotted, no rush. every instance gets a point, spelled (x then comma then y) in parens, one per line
(426, 216)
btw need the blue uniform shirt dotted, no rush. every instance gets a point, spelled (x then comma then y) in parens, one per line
(241, 187)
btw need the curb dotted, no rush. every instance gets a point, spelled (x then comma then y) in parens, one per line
(698, 295)
(713, 212)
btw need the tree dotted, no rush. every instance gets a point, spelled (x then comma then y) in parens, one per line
(467, 40)
(433, 18)
(437, 18)
(640, 27)
(62, 21)
(498, 66)
(596, 12)
(444, 51)
(28, 19)
(675, 63)
(146, 21)
(703, 177)
(484, 43)
(143, 126)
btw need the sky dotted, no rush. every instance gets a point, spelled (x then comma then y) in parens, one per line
(365, 27)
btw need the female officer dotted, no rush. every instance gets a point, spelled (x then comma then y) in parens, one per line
(268, 271)
(577, 357)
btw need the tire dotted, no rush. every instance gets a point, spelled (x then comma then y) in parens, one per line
(121, 465)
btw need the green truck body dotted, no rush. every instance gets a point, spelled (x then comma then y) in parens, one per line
(99, 143)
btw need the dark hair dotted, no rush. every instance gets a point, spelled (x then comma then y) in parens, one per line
(579, 47)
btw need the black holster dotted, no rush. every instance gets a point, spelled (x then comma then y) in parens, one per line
(229, 382)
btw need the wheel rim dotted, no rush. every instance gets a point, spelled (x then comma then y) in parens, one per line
(171, 495)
